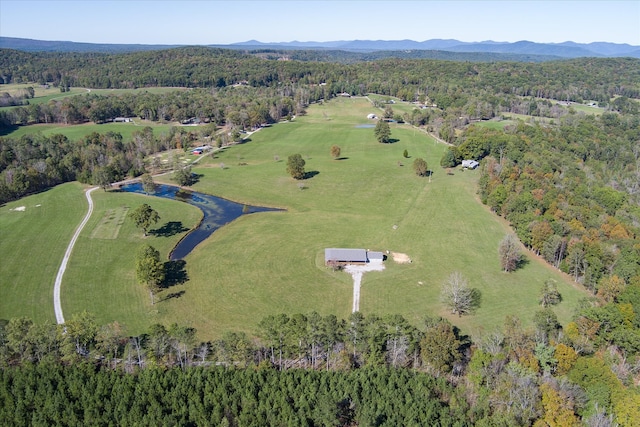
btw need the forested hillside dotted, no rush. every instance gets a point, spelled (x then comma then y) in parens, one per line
(568, 181)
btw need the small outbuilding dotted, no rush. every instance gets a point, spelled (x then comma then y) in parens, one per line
(200, 150)
(351, 256)
(470, 164)
(375, 257)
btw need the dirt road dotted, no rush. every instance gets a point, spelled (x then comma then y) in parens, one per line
(57, 306)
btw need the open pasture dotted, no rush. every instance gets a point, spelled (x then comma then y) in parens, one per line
(76, 132)
(45, 93)
(35, 232)
(270, 263)
(370, 198)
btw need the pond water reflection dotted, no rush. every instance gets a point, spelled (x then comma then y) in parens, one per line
(217, 212)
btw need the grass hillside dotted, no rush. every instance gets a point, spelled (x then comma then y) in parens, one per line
(76, 132)
(269, 263)
(35, 232)
(370, 198)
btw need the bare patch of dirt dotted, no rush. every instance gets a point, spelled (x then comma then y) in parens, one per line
(400, 258)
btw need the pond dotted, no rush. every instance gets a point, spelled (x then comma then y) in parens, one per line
(217, 212)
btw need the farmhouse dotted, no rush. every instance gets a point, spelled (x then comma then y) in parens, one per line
(351, 256)
(471, 164)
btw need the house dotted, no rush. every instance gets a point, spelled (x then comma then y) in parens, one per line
(471, 164)
(199, 150)
(351, 256)
(122, 120)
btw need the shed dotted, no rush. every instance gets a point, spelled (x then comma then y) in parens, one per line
(471, 164)
(375, 257)
(345, 256)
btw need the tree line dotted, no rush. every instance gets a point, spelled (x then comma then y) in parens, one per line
(570, 191)
(598, 79)
(312, 369)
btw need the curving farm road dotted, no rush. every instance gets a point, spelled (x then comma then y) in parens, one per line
(57, 306)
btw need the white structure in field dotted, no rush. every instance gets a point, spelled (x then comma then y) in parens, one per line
(470, 164)
(351, 256)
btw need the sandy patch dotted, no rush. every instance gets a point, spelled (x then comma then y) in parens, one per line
(401, 258)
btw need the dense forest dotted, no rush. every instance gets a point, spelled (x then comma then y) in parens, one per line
(567, 182)
(320, 370)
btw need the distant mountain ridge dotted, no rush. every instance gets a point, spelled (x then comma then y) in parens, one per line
(564, 50)
(560, 50)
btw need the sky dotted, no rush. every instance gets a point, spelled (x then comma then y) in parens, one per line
(207, 22)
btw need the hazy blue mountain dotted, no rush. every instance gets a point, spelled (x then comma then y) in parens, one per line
(566, 49)
(30, 45)
(527, 47)
(563, 50)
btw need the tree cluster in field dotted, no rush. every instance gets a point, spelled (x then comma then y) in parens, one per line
(512, 375)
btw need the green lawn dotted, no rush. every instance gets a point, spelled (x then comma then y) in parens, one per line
(43, 95)
(269, 263)
(274, 262)
(76, 132)
(101, 273)
(32, 244)
(495, 125)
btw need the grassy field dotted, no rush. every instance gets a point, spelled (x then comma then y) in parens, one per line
(100, 277)
(269, 263)
(101, 273)
(274, 262)
(31, 248)
(76, 132)
(44, 94)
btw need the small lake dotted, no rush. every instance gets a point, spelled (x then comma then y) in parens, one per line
(217, 212)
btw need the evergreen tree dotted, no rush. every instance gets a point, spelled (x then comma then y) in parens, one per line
(149, 269)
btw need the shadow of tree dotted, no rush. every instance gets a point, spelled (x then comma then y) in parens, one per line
(174, 295)
(476, 299)
(310, 174)
(171, 228)
(7, 129)
(175, 273)
(524, 261)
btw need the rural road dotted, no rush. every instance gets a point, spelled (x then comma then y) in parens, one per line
(57, 306)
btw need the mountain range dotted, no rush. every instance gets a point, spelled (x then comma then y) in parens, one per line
(558, 50)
